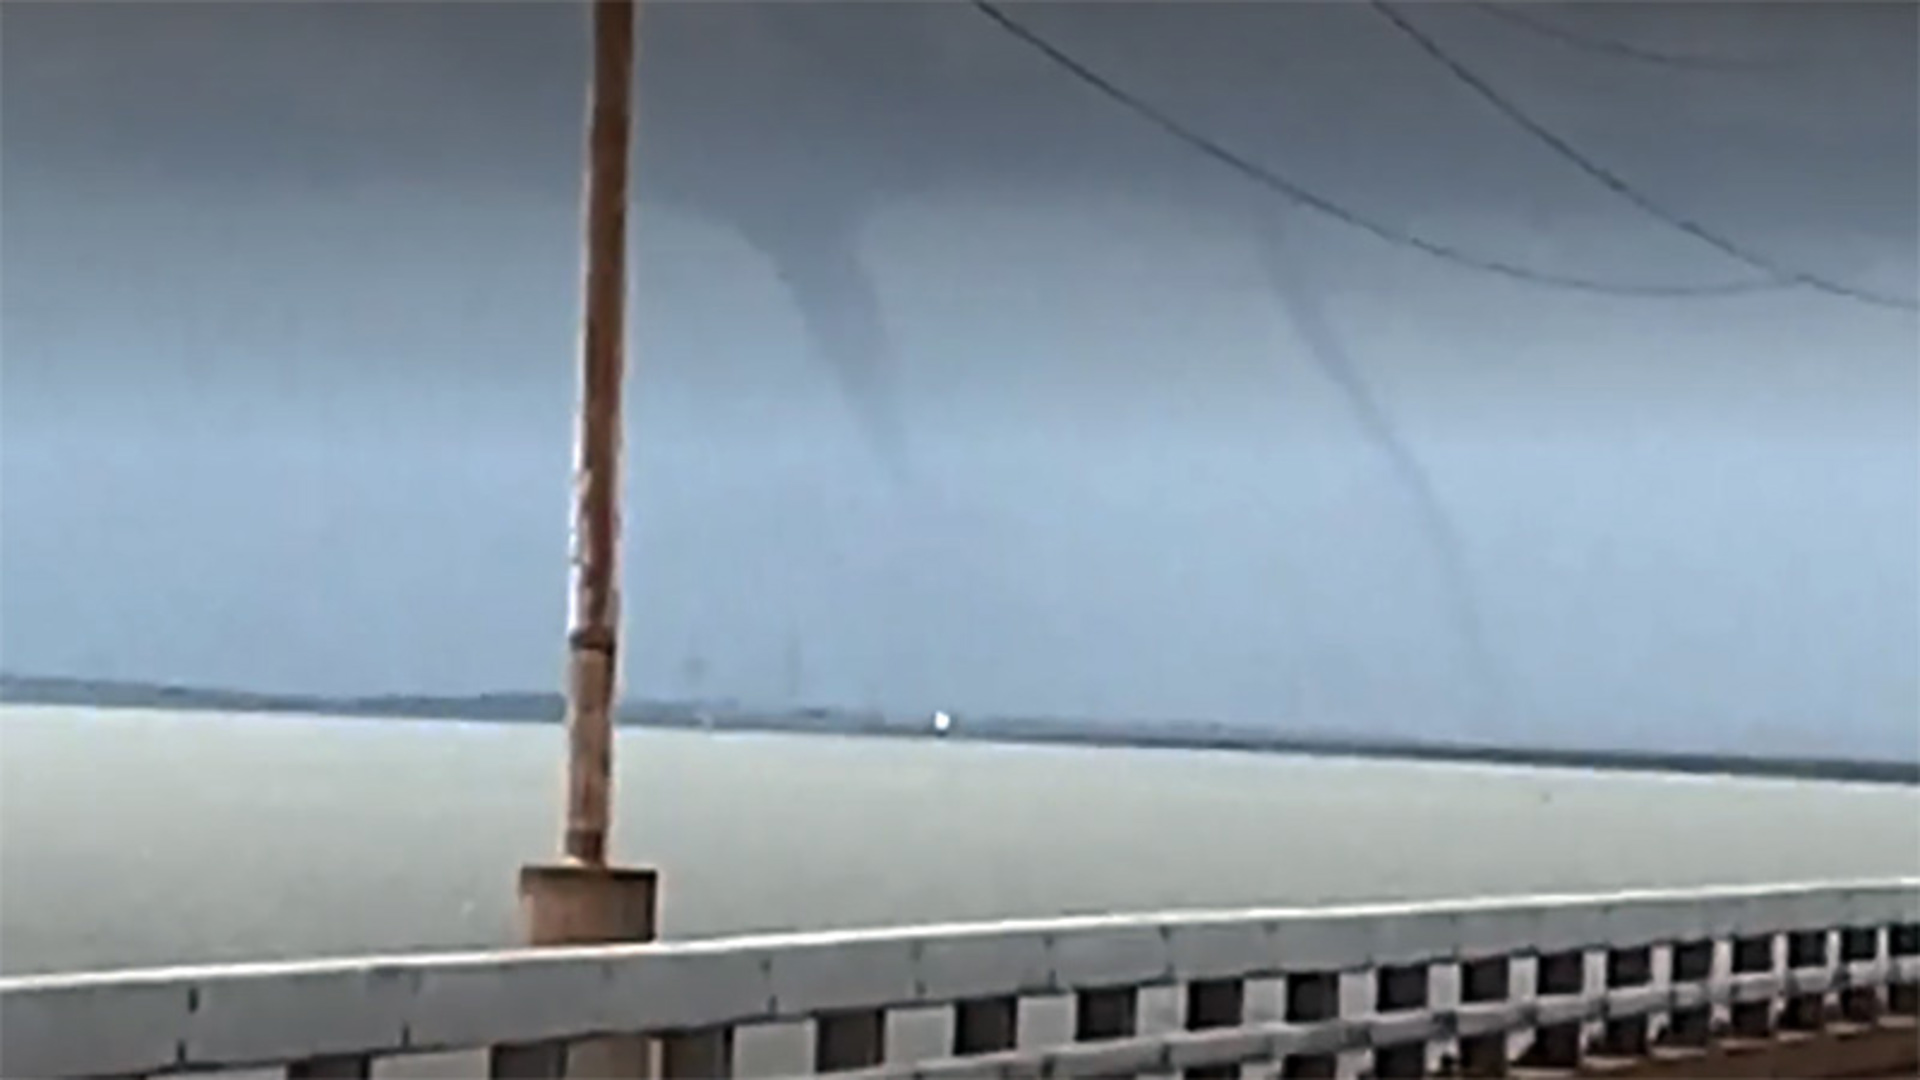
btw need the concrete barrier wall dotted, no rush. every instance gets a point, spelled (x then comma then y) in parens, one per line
(1618, 974)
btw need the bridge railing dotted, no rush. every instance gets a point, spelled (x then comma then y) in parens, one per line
(1640, 975)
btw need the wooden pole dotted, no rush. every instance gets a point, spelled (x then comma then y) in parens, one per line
(594, 615)
(581, 900)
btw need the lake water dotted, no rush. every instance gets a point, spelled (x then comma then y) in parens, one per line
(141, 837)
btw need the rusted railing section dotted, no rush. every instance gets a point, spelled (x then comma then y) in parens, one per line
(1640, 982)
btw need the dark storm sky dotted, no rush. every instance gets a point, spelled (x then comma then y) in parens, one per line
(981, 390)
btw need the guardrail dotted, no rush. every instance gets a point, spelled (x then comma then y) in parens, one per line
(1635, 974)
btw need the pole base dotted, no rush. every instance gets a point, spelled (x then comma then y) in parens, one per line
(569, 903)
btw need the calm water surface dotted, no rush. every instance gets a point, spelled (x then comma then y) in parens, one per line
(140, 837)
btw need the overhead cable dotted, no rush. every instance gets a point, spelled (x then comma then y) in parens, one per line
(1299, 193)
(1617, 184)
(1514, 15)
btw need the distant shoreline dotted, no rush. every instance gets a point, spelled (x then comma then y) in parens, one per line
(531, 708)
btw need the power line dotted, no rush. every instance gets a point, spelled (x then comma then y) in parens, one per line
(1305, 196)
(1613, 182)
(1606, 47)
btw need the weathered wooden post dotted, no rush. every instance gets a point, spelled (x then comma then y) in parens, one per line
(582, 899)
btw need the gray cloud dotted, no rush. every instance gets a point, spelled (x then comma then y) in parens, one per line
(289, 296)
